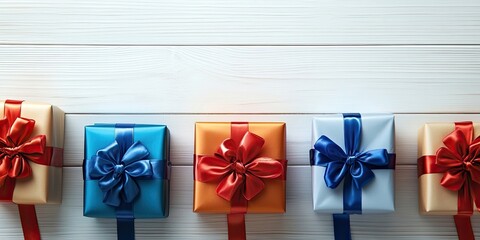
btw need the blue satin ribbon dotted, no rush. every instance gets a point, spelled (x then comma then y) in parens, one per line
(351, 166)
(125, 228)
(341, 226)
(117, 167)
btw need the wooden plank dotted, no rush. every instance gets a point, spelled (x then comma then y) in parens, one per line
(300, 222)
(240, 22)
(424, 79)
(298, 132)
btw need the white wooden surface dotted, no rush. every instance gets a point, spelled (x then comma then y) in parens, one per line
(219, 22)
(139, 79)
(177, 62)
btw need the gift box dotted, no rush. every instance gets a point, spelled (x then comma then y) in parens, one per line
(353, 161)
(31, 158)
(126, 168)
(239, 168)
(37, 125)
(449, 172)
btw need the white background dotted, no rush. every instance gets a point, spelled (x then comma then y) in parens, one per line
(177, 62)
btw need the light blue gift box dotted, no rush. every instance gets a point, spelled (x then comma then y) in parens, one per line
(153, 199)
(377, 133)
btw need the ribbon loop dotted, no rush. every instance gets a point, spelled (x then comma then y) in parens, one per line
(329, 150)
(249, 147)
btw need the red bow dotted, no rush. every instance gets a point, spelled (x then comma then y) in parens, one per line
(16, 148)
(461, 159)
(237, 167)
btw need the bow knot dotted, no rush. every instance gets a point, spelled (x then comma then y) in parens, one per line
(351, 160)
(17, 148)
(339, 164)
(116, 171)
(461, 159)
(237, 167)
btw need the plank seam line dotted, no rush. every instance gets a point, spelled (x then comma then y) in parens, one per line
(238, 45)
(239, 113)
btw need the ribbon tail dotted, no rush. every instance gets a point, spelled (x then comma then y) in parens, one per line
(236, 226)
(28, 217)
(341, 226)
(125, 228)
(464, 227)
(125, 222)
(352, 196)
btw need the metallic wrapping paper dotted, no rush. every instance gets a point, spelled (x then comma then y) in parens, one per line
(209, 136)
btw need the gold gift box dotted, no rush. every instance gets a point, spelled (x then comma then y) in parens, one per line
(209, 136)
(434, 199)
(44, 186)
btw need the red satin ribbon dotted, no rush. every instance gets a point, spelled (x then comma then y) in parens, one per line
(28, 217)
(236, 218)
(16, 149)
(236, 226)
(464, 227)
(460, 163)
(239, 173)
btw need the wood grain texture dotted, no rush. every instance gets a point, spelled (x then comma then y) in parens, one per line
(240, 22)
(298, 132)
(177, 62)
(300, 222)
(422, 79)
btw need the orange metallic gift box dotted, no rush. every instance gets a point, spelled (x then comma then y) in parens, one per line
(208, 138)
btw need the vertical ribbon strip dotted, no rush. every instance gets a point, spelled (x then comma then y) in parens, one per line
(341, 226)
(124, 212)
(236, 217)
(239, 171)
(28, 218)
(352, 193)
(351, 166)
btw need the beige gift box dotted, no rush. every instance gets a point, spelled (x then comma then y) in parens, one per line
(434, 199)
(44, 186)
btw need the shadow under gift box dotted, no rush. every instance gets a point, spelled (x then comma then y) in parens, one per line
(153, 198)
(209, 136)
(377, 133)
(44, 186)
(434, 199)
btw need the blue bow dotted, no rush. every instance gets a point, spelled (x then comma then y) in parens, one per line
(339, 163)
(116, 171)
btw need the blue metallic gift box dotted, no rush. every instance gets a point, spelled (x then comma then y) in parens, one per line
(152, 196)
